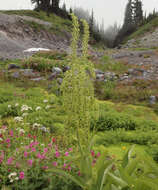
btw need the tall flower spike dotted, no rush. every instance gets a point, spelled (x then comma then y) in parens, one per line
(75, 36)
(85, 38)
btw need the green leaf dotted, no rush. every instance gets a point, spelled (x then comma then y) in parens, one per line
(118, 180)
(62, 173)
(127, 157)
(106, 171)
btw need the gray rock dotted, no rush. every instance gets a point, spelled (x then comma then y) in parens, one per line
(97, 71)
(57, 70)
(13, 66)
(28, 73)
(15, 75)
(59, 80)
(152, 100)
(53, 76)
(100, 77)
(66, 68)
(124, 77)
(38, 79)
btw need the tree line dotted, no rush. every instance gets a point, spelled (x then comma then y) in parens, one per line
(111, 37)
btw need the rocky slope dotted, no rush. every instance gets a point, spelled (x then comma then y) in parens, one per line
(18, 33)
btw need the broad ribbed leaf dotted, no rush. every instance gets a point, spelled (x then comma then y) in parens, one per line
(64, 174)
(106, 171)
(127, 157)
(118, 180)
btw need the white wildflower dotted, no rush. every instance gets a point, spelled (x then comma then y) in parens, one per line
(16, 178)
(18, 119)
(1, 139)
(45, 101)
(25, 108)
(21, 131)
(48, 106)
(24, 114)
(2, 131)
(36, 125)
(16, 105)
(9, 106)
(12, 174)
(44, 129)
(38, 108)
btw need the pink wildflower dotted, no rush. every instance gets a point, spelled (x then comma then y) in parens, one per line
(92, 153)
(53, 140)
(10, 160)
(33, 149)
(25, 154)
(98, 154)
(8, 145)
(21, 175)
(30, 162)
(79, 173)
(70, 149)
(45, 167)
(26, 147)
(11, 133)
(66, 153)
(41, 156)
(49, 145)
(57, 154)
(7, 140)
(17, 165)
(69, 168)
(55, 164)
(45, 150)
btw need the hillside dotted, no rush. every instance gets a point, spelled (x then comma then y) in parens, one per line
(146, 36)
(85, 121)
(21, 30)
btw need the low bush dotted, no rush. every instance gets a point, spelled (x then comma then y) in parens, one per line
(42, 64)
(113, 121)
(51, 55)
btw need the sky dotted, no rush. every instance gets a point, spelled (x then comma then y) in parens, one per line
(109, 11)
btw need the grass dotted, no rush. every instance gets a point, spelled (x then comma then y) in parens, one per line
(59, 25)
(107, 64)
(116, 110)
(149, 27)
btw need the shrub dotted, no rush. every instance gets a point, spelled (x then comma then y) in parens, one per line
(113, 121)
(51, 55)
(42, 64)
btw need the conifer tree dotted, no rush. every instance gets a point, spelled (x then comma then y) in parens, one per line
(137, 12)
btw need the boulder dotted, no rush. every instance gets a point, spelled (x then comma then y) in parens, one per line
(13, 66)
(56, 70)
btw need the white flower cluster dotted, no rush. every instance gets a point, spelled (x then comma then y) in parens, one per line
(44, 129)
(24, 114)
(12, 177)
(18, 119)
(45, 101)
(48, 106)
(35, 125)
(9, 106)
(3, 130)
(20, 130)
(38, 108)
(25, 108)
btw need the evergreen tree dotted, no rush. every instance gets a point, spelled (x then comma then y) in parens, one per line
(64, 7)
(128, 19)
(137, 12)
(91, 22)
